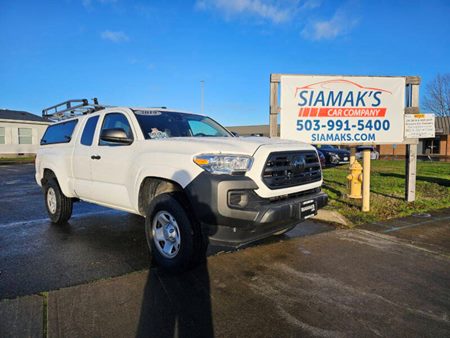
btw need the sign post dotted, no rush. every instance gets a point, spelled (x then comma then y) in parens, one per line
(352, 155)
(366, 181)
(347, 110)
(412, 103)
(274, 107)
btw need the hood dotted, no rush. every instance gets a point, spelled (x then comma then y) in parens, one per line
(225, 145)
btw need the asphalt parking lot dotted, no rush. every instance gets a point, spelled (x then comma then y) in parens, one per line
(97, 243)
(383, 279)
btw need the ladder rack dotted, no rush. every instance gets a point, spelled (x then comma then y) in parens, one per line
(71, 108)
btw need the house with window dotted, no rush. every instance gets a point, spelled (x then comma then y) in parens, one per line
(20, 133)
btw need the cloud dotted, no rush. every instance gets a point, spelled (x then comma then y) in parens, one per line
(115, 37)
(296, 13)
(340, 24)
(310, 4)
(265, 9)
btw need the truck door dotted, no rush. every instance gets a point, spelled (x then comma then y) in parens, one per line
(111, 164)
(82, 160)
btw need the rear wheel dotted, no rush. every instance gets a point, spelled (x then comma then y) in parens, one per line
(59, 207)
(173, 236)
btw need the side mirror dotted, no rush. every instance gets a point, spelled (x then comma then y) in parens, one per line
(115, 135)
(235, 134)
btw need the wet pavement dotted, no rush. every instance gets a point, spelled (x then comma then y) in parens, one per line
(97, 242)
(383, 279)
(426, 230)
(22, 200)
(344, 283)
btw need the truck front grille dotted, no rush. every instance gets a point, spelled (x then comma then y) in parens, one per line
(291, 168)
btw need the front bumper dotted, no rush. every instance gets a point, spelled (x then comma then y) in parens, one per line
(237, 221)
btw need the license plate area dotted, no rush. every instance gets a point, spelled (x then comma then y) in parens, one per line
(307, 209)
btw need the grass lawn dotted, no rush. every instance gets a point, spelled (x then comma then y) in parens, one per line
(21, 159)
(388, 190)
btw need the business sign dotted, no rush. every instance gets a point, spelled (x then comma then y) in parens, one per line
(342, 109)
(419, 125)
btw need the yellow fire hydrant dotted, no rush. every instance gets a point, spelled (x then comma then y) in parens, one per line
(355, 180)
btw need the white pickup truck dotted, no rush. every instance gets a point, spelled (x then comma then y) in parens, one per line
(192, 180)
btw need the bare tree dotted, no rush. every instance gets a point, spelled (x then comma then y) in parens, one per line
(437, 97)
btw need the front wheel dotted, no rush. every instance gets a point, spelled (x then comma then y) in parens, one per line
(59, 207)
(173, 237)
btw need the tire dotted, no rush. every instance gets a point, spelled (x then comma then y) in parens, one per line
(174, 238)
(59, 207)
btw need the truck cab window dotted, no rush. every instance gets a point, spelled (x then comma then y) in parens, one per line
(89, 129)
(59, 133)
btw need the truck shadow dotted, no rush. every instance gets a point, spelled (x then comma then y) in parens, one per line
(176, 305)
(441, 181)
(399, 198)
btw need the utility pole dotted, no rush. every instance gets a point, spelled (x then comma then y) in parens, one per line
(202, 86)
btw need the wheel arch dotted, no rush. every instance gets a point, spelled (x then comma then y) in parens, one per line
(152, 186)
(47, 174)
(50, 172)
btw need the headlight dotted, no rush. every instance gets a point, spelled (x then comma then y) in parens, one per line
(224, 164)
(334, 158)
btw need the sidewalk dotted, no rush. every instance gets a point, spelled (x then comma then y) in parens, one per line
(338, 283)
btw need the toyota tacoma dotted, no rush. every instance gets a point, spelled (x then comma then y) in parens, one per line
(192, 179)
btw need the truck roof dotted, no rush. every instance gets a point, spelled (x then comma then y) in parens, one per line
(133, 109)
(76, 108)
(163, 109)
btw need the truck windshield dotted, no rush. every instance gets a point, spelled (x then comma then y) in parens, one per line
(163, 124)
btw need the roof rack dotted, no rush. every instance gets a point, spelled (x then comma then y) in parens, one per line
(71, 108)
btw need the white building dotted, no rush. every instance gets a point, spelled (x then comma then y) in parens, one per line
(20, 132)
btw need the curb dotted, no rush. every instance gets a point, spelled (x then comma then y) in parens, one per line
(334, 217)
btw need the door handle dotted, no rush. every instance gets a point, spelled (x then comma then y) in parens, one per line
(96, 157)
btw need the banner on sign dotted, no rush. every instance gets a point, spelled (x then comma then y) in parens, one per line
(342, 109)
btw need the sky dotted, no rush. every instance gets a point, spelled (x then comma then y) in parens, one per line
(156, 53)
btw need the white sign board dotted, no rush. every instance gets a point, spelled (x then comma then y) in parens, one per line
(342, 109)
(419, 125)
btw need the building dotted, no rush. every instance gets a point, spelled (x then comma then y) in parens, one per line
(258, 130)
(437, 147)
(20, 132)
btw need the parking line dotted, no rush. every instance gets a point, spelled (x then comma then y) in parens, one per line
(416, 224)
(400, 228)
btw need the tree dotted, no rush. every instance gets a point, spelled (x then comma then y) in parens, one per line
(437, 97)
